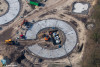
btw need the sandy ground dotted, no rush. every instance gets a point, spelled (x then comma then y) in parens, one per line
(3, 7)
(59, 5)
(1, 57)
(94, 2)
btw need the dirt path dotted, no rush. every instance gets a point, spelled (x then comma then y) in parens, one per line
(6, 34)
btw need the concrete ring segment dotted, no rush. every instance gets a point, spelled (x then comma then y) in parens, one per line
(14, 8)
(71, 38)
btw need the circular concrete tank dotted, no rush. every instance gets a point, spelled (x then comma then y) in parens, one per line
(12, 12)
(70, 42)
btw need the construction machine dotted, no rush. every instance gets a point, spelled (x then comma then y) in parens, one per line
(46, 38)
(24, 21)
(11, 42)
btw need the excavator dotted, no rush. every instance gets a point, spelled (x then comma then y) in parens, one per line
(11, 42)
